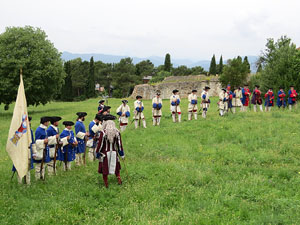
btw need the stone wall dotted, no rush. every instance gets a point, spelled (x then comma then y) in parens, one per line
(185, 84)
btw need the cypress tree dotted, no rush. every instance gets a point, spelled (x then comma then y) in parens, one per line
(259, 68)
(167, 65)
(220, 67)
(90, 83)
(67, 88)
(246, 62)
(213, 66)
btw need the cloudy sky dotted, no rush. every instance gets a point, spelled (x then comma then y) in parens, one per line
(193, 29)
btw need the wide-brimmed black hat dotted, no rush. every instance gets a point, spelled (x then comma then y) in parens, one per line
(108, 117)
(124, 101)
(271, 88)
(292, 86)
(105, 109)
(55, 119)
(98, 117)
(101, 101)
(45, 119)
(224, 89)
(29, 118)
(81, 114)
(175, 91)
(206, 88)
(257, 86)
(68, 123)
(194, 90)
(138, 97)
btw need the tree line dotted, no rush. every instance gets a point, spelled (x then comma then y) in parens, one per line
(47, 77)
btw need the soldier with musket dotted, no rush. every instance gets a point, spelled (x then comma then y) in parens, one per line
(237, 96)
(41, 154)
(109, 150)
(281, 98)
(53, 143)
(256, 99)
(81, 136)
(205, 101)
(156, 109)
(69, 143)
(138, 112)
(223, 102)
(269, 100)
(124, 113)
(192, 107)
(174, 107)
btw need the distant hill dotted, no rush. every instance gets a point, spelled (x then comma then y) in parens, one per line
(156, 60)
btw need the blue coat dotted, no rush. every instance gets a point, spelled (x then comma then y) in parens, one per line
(52, 132)
(281, 99)
(79, 127)
(41, 134)
(68, 149)
(31, 158)
(292, 100)
(91, 132)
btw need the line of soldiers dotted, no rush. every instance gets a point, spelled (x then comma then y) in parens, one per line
(229, 100)
(50, 146)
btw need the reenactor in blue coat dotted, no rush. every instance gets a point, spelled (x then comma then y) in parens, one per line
(81, 136)
(281, 98)
(30, 162)
(292, 100)
(69, 142)
(94, 128)
(41, 155)
(53, 140)
(101, 105)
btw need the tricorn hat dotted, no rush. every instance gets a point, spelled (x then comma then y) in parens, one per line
(55, 119)
(105, 109)
(206, 88)
(99, 117)
(45, 119)
(124, 101)
(194, 90)
(108, 117)
(81, 114)
(101, 101)
(224, 89)
(175, 91)
(292, 86)
(138, 97)
(68, 123)
(257, 85)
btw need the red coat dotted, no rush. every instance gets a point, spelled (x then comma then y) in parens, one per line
(108, 153)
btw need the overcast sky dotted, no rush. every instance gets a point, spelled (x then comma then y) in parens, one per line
(193, 29)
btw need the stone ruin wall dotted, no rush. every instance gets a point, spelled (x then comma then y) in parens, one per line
(185, 84)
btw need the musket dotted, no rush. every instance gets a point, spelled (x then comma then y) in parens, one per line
(84, 153)
(42, 163)
(13, 175)
(54, 160)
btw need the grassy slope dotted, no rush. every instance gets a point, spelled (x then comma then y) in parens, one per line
(240, 169)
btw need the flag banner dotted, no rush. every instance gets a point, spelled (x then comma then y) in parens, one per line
(19, 136)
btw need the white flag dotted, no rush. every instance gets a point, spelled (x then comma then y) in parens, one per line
(19, 136)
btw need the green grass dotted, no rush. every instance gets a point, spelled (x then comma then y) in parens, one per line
(240, 169)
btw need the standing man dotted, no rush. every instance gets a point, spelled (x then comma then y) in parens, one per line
(223, 102)
(30, 158)
(81, 136)
(237, 96)
(53, 140)
(94, 128)
(269, 100)
(109, 150)
(230, 95)
(101, 105)
(281, 98)
(175, 108)
(138, 112)
(124, 113)
(246, 97)
(256, 99)
(156, 109)
(41, 155)
(205, 101)
(192, 108)
(69, 143)
(292, 100)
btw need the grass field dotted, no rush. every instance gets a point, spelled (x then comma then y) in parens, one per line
(240, 169)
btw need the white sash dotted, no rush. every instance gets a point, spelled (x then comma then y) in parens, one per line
(112, 160)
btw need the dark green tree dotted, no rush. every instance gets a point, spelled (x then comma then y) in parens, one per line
(259, 68)
(90, 83)
(197, 70)
(281, 64)
(220, 66)
(213, 66)
(246, 62)
(168, 65)
(234, 73)
(181, 71)
(67, 88)
(144, 68)
(43, 72)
